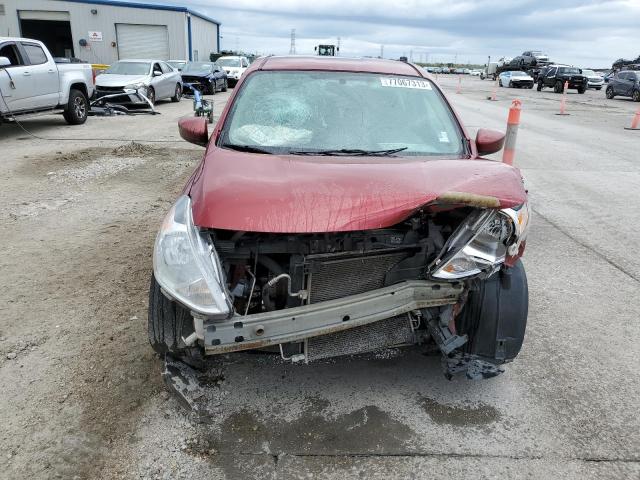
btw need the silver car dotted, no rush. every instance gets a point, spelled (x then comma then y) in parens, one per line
(594, 80)
(153, 79)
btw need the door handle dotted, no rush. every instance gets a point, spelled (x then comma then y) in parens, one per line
(26, 74)
(51, 71)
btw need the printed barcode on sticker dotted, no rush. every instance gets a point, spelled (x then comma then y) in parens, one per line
(405, 83)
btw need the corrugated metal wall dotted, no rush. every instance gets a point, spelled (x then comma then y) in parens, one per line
(204, 38)
(83, 22)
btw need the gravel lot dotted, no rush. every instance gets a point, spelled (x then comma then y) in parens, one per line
(82, 392)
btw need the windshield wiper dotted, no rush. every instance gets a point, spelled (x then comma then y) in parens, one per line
(245, 148)
(356, 152)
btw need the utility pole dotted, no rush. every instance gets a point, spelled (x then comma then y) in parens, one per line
(292, 49)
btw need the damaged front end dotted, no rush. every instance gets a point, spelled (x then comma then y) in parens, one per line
(437, 276)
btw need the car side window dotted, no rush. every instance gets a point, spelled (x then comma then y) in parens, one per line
(622, 76)
(10, 50)
(551, 72)
(165, 68)
(35, 53)
(245, 63)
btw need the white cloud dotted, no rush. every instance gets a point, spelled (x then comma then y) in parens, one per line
(580, 32)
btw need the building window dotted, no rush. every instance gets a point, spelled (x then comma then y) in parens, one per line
(195, 55)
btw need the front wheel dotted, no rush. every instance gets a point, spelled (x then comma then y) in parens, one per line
(539, 86)
(168, 324)
(609, 93)
(177, 94)
(151, 95)
(77, 108)
(510, 84)
(225, 86)
(495, 316)
(558, 87)
(636, 96)
(499, 83)
(582, 89)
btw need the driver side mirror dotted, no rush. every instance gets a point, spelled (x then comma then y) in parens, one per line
(157, 73)
(489, 141)
(194, 130)
(4, 62)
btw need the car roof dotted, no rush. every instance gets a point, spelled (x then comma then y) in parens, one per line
(18, 39)
(146, 60)
(343, 64)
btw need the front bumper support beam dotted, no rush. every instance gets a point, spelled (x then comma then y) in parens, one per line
(295, 324)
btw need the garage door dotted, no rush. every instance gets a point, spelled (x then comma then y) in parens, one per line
(142, 41)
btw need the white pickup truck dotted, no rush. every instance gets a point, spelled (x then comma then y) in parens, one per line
(32, 82)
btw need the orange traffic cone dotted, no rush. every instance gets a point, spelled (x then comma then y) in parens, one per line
(513, 121)
(635, 123)
(563, 102)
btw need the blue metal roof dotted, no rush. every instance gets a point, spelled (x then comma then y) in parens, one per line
(150, 6)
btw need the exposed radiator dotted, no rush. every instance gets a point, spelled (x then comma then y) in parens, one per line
(331, 279)
(392, 332)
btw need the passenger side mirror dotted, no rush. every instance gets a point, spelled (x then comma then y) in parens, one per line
(157, 73)
(194, 130)
(4, 62)
(489, 141)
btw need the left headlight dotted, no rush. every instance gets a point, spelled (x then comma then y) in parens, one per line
(136, 86)
(482, 243)
(186, 265)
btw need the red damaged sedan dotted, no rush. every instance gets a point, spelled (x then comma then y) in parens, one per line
(341, 208)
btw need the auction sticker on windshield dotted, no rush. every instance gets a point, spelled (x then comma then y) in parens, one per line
(405, 83)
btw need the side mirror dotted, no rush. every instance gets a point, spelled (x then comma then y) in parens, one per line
(4, 62)
(194, 130)
(157, 73)
(489, 141)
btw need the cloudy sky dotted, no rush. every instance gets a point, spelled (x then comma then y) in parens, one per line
(580, 32)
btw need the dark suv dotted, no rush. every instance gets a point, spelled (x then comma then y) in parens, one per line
(555, 76)
(625, 84)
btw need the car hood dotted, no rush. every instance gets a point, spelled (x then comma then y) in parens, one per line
(109, 80)
(295, 194)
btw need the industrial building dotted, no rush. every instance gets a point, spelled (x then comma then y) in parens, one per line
(102, 31)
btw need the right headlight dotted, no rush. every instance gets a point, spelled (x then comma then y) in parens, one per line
(186, 265)
(482, 243)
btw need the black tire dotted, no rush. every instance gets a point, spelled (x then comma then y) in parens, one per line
(609, 93)
(213, 88)
(226, 85)
(598, 88)
(499, 83)
(210, 117)
(531, 86)
(558, 87)
(636, 95)
(540, 86)
(178, 94)
(151, 95)
(168, 323)
(77, 108)
(495, 316)
(582, 90)
(510, 84)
